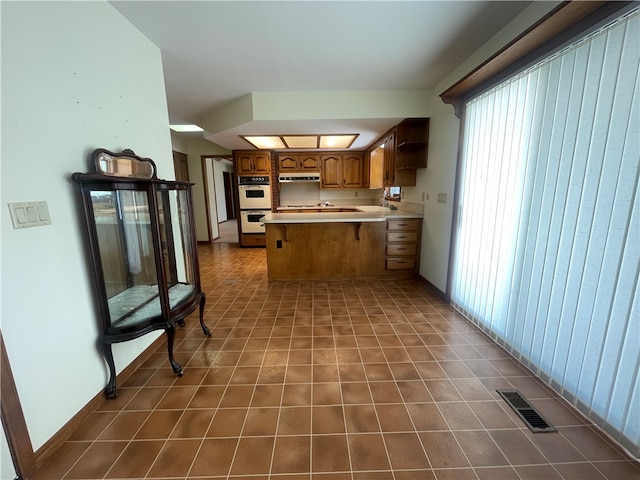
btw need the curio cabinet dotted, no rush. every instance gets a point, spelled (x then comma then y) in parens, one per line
(140, 235)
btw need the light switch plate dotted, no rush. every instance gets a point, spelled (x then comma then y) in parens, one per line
(442, 198)
(29, 214)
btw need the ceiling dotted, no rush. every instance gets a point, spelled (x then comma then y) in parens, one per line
(215, 53)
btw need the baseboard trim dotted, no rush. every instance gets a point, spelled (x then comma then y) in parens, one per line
(62, 435)
(439, 293)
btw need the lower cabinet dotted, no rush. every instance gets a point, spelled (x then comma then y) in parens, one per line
(402, 244)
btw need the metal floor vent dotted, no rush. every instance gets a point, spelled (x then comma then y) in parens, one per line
(528, 414)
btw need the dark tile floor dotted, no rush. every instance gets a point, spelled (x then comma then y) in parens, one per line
(329, 380)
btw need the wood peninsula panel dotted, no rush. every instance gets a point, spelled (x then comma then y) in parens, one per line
(326, 250)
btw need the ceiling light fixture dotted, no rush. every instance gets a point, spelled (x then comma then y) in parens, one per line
(291, 142)
(185, 128)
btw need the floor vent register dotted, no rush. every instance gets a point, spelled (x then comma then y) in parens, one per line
(526, 411)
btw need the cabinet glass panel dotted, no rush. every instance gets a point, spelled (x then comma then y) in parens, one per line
(127, 256)
(175, 235)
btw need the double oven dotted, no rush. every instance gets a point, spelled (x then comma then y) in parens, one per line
(255, 202)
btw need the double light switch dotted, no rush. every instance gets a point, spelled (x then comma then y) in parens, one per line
(29, 214)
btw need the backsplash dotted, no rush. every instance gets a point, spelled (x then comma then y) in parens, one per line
(312, 194)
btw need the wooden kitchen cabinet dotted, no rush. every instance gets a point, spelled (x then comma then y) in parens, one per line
(402, 247)
(342, 170)
(253, 162)
(298, 162)
(412, 137)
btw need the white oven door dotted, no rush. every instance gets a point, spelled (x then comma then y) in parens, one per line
(250, 221)
(254, 196)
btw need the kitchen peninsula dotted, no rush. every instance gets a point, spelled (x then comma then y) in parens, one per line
(367, 242)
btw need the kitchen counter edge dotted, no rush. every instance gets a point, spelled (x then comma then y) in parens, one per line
(333, 217)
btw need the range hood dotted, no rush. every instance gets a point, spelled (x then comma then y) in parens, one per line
(299, 177)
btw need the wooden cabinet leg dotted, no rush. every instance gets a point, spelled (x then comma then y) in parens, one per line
(205, 329)
(110, 389)
(171, 335)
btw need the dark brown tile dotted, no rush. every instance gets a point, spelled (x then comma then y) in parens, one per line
(496, 473)
(214, 457)
(97, 460)
(368, 452)
(124, 426)
(414, 391)
(330, 453)
(443, 390)
(355, 392)
(175, 459)
(136, 459)
(294, 421)
(361, 418)
(385, 392)
(227, 422)
(590, 444)
(472, 389)
(292, 455)
(236, 396)
(253, 456)
(206, 397)
(394, 418)
(61, 460)
(267, 396)
(536, 472)
(405, 451)
(443, 450)
(414, 475)
(193, 424)
(328, 419)
(326, 394)
(492, 415)
(261, 421)
(175, 398)
(93, 427)
(459, 416)
(455, 474)
(517, 447)
(480, 449)
(619, 470)
(159, 425)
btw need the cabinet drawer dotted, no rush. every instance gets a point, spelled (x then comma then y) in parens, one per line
(403, 225)
(400, 250)
(401, 263)
(401, 237)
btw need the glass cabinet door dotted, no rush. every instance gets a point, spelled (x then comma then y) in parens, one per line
(177, 241)
(125, 241)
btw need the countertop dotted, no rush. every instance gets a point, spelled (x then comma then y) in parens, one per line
(367, 213)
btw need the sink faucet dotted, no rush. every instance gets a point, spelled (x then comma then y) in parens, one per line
(383, 201)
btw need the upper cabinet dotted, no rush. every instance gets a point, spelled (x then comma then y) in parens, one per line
(394, 158)
(412, 143)
(342, 170)
(298, 162)
(253, 162)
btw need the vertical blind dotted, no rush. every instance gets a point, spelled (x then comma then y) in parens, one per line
(546, 253)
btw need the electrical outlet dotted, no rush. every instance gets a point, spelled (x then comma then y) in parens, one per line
(423, 196)
(442, 198)
(355, 193)
(278, 243)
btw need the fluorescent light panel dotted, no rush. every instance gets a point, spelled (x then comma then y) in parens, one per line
(266, 142)
(185, 128)
(283, 142)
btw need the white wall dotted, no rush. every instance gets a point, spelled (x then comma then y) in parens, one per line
(75, 76)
